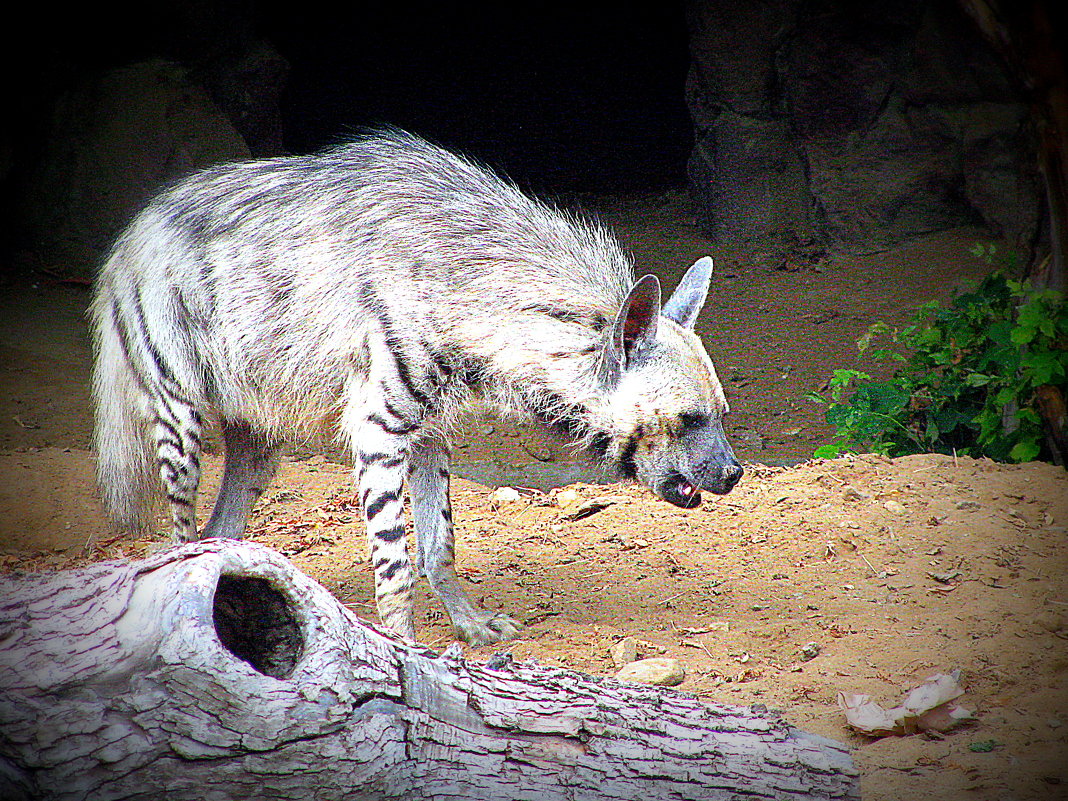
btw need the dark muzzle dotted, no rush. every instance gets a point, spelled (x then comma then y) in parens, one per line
(685, 491)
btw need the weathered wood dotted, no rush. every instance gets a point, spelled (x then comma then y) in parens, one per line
(216, 670)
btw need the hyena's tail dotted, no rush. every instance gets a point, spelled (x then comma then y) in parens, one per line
(126, 472)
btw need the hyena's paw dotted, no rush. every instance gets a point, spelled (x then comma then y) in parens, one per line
(484, 630)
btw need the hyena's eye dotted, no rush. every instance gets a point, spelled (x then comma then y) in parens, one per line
(693, 420)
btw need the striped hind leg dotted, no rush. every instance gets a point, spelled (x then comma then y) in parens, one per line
(428, 483)
(382, 441)
(177, 432)
(251, 462)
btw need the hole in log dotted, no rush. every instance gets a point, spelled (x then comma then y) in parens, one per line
(256, 623)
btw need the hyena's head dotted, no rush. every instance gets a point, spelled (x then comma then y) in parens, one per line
(665, 401)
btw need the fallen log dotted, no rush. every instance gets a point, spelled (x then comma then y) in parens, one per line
(216, 670)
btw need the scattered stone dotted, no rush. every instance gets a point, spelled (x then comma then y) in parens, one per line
(567, 497)
(853, 494)
(592, 506)
(503, 495)
(968, 506)
(624, 652)
(810, 650)
(945, 578)
(661, 671)
(895, 507)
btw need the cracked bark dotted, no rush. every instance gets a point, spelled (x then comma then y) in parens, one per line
(216, 670)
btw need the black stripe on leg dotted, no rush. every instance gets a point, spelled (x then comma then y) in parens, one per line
(396, 350)
(390, 569)
(372, 509)
(405, 375)
(390, 534)
(124, 343)
(157, 357)
(177, 438)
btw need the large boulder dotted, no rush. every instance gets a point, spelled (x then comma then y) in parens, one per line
(855, 126)
(113, 141)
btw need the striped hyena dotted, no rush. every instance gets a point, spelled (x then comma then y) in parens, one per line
(380, 288)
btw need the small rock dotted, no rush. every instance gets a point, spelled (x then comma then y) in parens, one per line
(968, 506)
(853, 494)
(810, 650)
(504, 495)
(567, 497)
(591, 507)
(1053, 723)
(661, 671)
(946, 577)
(624, 652)
(895, 507)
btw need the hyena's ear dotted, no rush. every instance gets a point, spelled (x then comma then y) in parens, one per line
(635, 325)
(687, 300)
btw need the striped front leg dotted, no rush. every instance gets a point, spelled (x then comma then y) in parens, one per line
(428, 482)
(383, 443)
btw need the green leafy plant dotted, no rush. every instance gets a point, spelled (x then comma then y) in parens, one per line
(965, 377)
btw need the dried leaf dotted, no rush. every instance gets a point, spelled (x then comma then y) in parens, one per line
(926, 708)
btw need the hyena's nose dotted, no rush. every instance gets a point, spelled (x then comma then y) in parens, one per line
(732, 474)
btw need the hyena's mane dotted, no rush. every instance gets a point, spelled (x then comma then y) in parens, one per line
(538, 292)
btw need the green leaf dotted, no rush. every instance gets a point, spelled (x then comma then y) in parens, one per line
(1042, 367)
(1021, 335)
(1024, 451)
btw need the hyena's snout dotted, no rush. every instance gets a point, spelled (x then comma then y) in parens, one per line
(711, 466)
(721, 478)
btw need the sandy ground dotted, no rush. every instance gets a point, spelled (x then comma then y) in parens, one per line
(896, 570)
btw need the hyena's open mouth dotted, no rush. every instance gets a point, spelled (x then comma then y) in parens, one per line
(680, 491)
(677, 489)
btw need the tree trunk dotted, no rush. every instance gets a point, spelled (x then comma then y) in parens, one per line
(216, 670)
(1025, 35)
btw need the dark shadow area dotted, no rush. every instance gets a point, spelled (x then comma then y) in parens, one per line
(256, 623)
